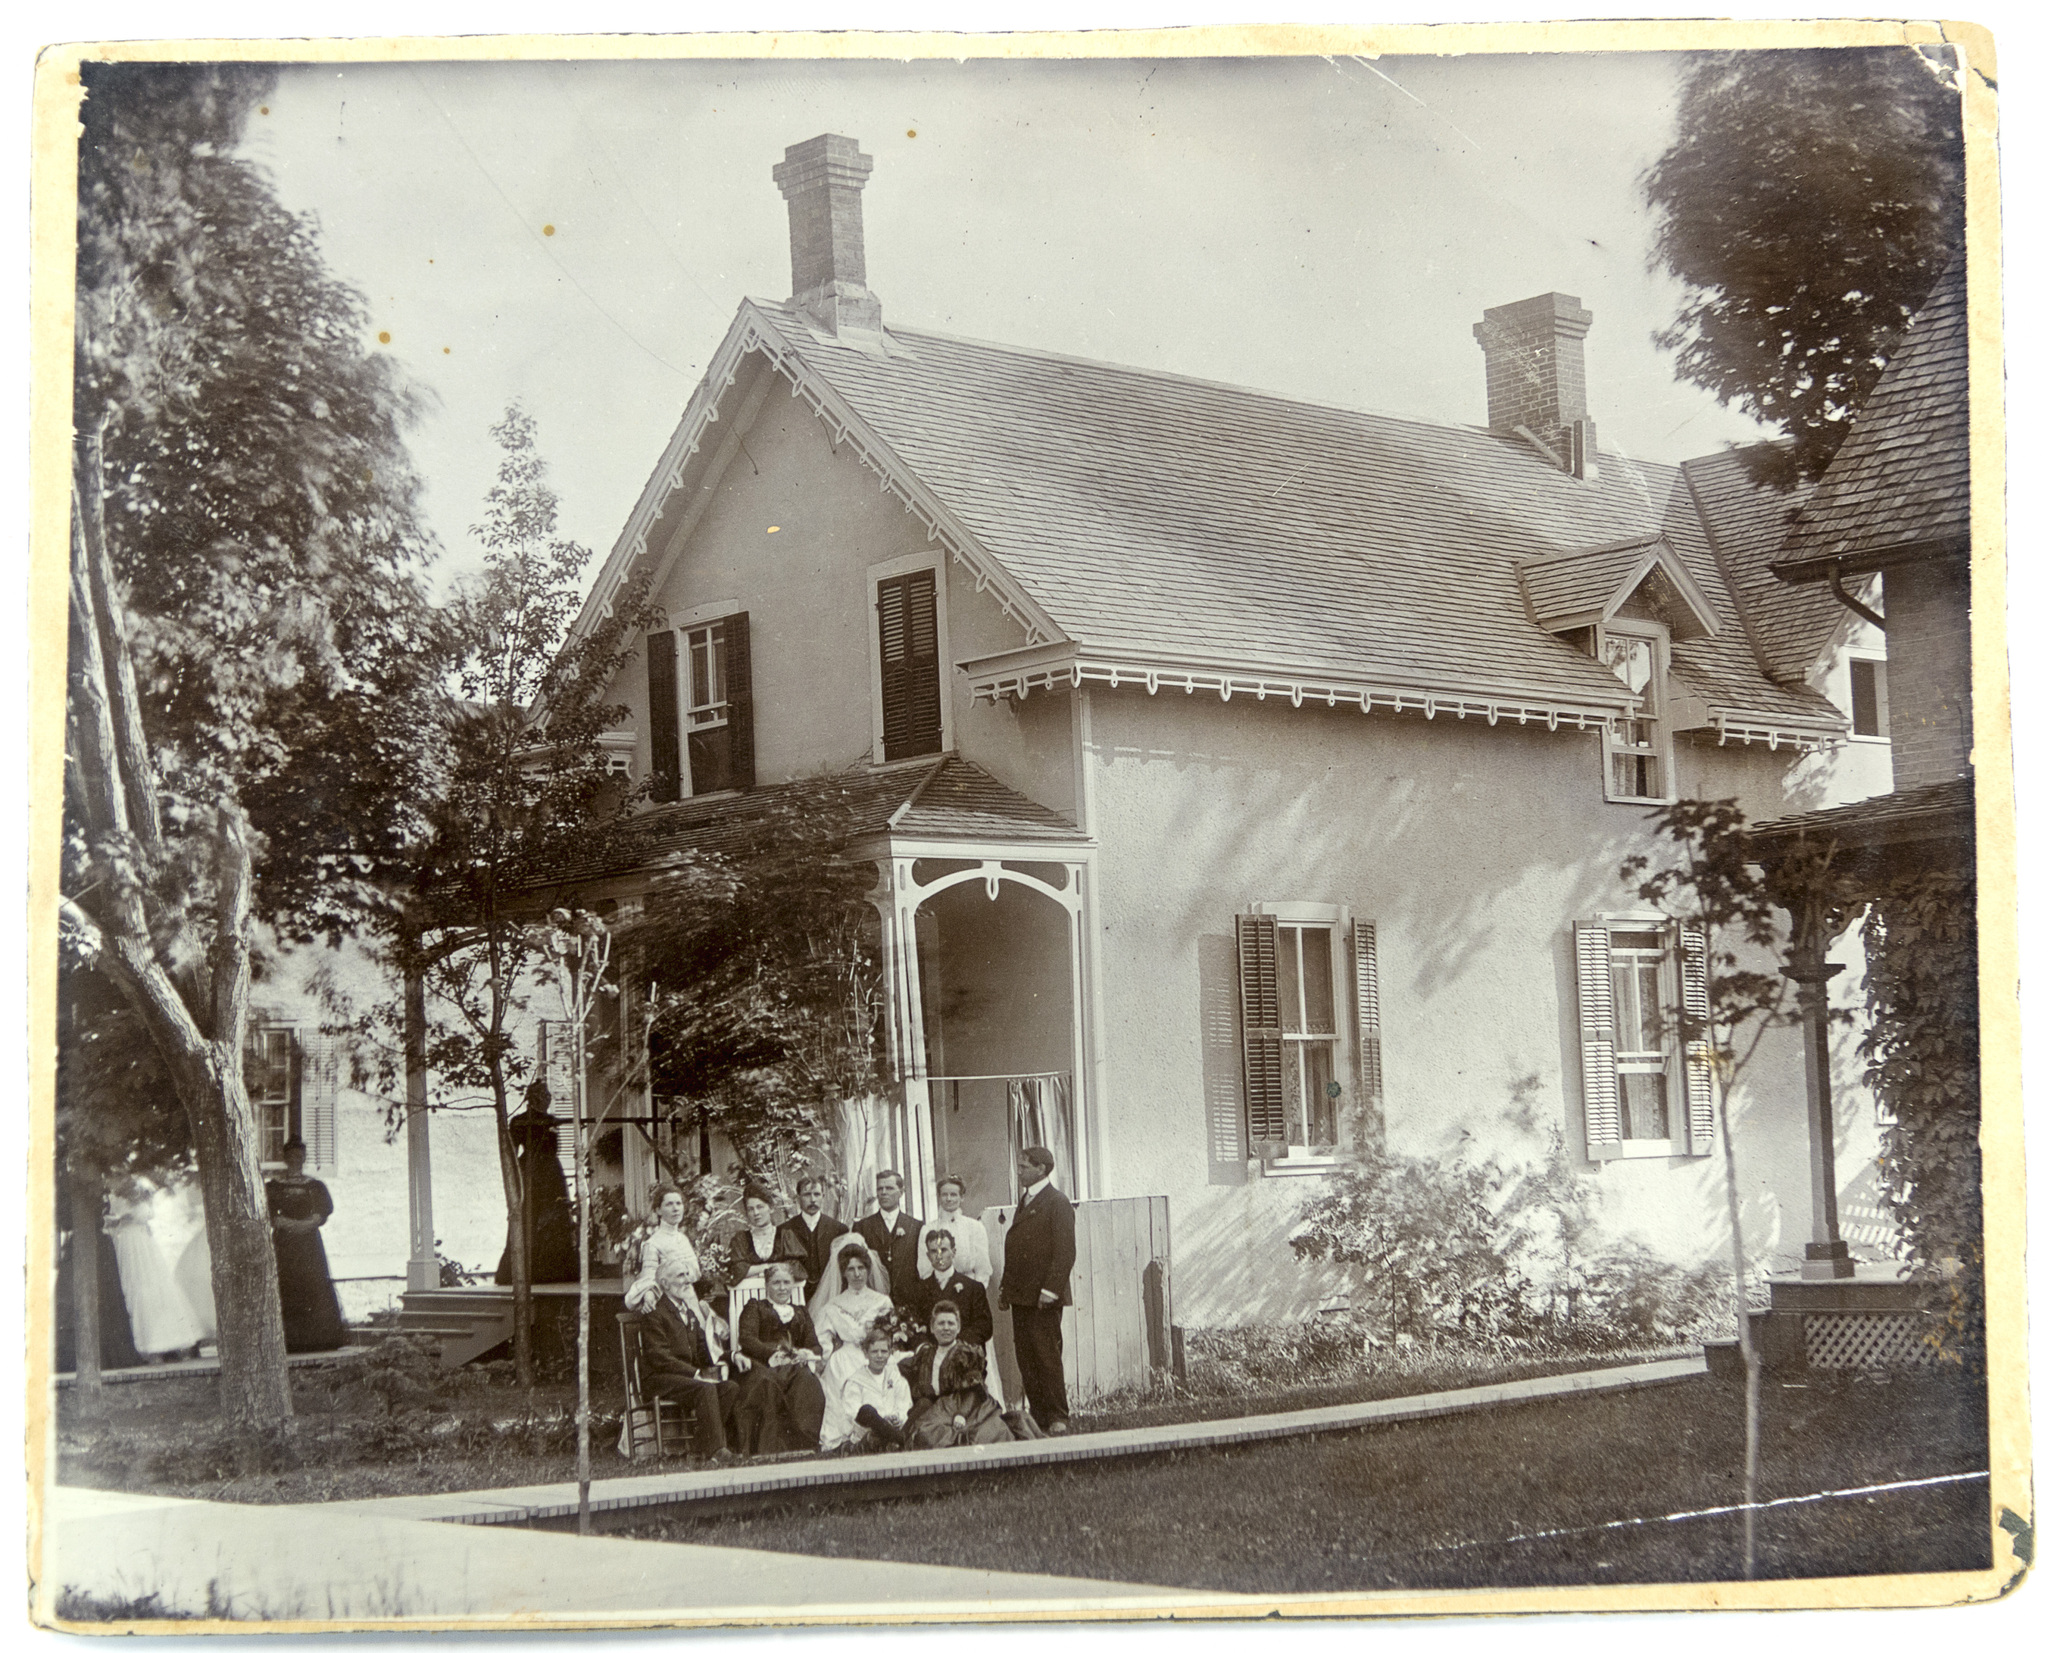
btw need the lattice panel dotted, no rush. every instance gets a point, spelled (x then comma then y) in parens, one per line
(1845, 1342)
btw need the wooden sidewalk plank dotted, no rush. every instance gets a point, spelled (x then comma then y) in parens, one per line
(493, 1506)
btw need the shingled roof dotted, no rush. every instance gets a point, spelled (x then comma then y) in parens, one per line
(1790, 626)
(1161, 519)
(1899, 485)
(944, 797)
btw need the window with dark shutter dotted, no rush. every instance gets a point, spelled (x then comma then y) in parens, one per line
(739, 701)
(664, 728)
(907, 613)
(718, 705)
(1265, 1052)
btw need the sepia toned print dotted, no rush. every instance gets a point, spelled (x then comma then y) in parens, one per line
(1027, 835)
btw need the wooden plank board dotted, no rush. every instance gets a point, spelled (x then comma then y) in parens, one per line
(1080, 1325)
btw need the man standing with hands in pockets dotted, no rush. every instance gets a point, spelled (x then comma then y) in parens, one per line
(1038, 1263)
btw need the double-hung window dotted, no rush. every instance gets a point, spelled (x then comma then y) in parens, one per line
(1647, 1084)
(1870, 710)
(292, 1091)
(700, 708)
(1309, 999)
(1637, 749)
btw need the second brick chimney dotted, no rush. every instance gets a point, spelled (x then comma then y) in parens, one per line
(1536, 376)
(821, 180)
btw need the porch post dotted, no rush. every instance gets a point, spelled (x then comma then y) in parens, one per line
(896, 899)
(1082, 1172)
(422, 1271)
(1816, 921)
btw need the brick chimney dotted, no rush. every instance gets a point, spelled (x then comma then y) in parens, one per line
(821, 180)
(1536, 376)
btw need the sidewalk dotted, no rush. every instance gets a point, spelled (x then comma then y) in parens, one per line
(298, 1565)
(500, 1505)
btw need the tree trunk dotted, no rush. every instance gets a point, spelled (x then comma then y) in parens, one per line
(88, 1197)
(1752, 1359)
(198, 1023)
(516, 1250)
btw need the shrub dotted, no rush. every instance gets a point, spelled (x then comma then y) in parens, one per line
(1421, 1241)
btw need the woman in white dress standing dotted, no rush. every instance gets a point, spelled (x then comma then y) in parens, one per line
(668, 1262)
(970, 1239)
(158, 1313)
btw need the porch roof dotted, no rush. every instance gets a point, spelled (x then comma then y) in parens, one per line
(1938, 813)
(944, 796)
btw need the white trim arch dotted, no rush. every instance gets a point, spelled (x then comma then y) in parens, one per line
(897, 896)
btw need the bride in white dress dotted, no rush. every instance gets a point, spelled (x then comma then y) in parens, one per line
(854, 1296)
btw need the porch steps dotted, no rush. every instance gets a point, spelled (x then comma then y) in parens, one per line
(467, 1321)
(470, 1321)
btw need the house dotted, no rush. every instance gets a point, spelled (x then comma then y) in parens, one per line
(1245, 778)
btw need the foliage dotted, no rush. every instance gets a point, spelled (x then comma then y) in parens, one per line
(1808, 203)
(116, 1105)
(245, 559)
(1420, 1239)
(767, 984)
(1920, 938)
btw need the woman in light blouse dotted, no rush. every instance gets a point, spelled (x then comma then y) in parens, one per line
(668, 1262)
(970, 1239)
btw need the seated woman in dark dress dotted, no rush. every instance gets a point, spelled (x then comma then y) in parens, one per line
(299, 1204)
(949, 1398)
(781, 1401)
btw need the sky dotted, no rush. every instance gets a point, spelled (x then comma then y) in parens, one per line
(577, 235)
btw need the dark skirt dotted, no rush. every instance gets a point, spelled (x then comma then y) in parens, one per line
(779, 1409)
(312, 1314)
(964, 1417)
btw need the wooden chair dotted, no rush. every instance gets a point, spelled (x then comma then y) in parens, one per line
(743, 1292)
(666, 1412)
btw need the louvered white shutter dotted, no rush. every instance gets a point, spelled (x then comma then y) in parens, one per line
(1699, 1068)
(1365, 962)
(556, 1064)
(1258, 976)
(1600, 1086)
(319, 1091)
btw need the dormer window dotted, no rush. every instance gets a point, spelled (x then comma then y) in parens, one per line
(1637, 747)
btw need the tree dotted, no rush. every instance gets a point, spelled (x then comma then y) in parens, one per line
(1808, 203)
(1721, 900)
(525, 795)
(244, 556)
(765, 985)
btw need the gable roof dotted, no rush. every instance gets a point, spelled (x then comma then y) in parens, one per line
(1145, 527)
(1569, 589)
(1899, 485)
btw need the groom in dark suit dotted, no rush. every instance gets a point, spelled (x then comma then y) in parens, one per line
(893, 1235)
(1038, 1267)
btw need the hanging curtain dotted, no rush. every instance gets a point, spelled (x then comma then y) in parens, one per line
(1042, 1116)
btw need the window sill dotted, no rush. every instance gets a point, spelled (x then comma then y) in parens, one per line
(1303, 1167)
(1645, 803)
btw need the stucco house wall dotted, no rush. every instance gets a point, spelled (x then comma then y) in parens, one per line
(1472, 850)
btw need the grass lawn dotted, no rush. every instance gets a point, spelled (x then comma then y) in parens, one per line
(1456, 1502)
(471, 1430)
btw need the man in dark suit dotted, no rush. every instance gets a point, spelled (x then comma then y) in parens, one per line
(813, 1232)
(893, 1236)
(680, 1360)
(1038, 1267)
(947, 1285)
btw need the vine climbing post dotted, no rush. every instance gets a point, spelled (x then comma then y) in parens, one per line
(1818, 918)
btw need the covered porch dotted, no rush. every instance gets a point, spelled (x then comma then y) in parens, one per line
(1826, 869)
